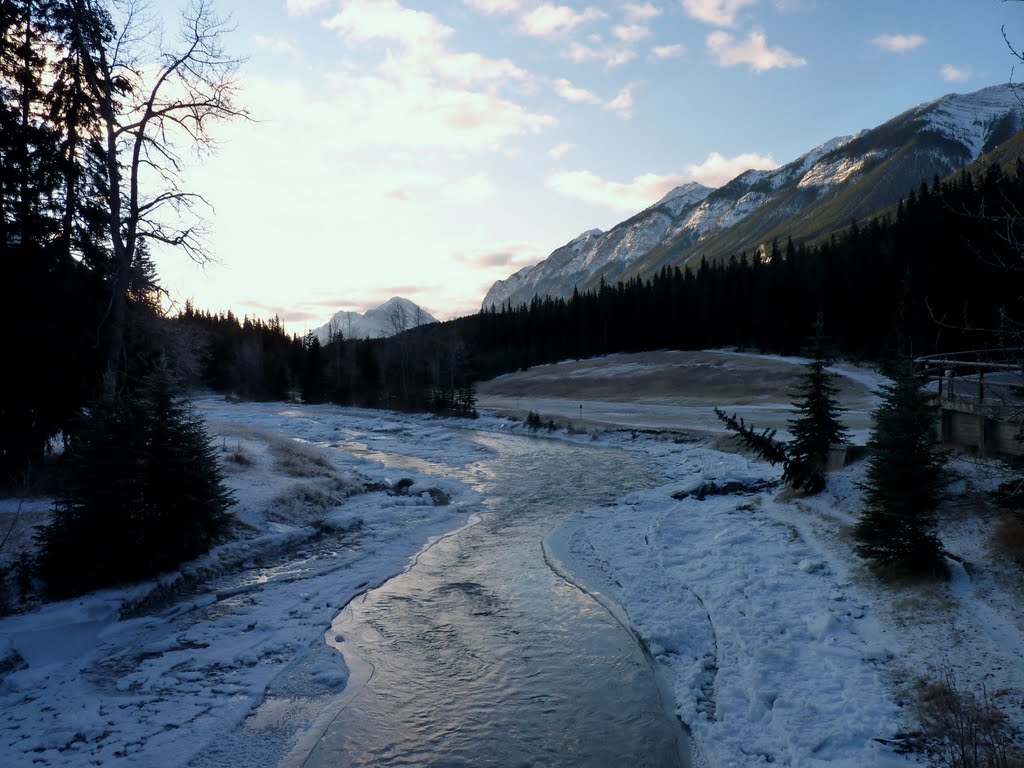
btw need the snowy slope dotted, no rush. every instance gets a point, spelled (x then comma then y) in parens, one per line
(848, 177)
(394, 315)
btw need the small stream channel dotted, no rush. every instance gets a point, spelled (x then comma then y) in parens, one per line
(480, 655)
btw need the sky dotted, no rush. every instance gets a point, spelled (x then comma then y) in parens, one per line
(426, 148)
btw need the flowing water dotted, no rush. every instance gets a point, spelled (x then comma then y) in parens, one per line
(480, 655)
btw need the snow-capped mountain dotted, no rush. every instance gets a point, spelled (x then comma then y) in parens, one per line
(844, 179)
(393, 316)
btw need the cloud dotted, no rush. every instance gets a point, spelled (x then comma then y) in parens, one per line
(648, 188)
(754, 52)
(721, 13)
(303, 7)
(899, 43)
(419, 185)
(952, 74)
(547, 20)
(622, 104)
(263, 310)
(569, 92)
(627, 197)
(514, 256)
(611, 56)
(641, 11)
(559, 151)
(421, 38)
(718, 169)
(495, 6)
(423, 95)
(631, 33)
(668, 51)
(366, 20)
(275, 44)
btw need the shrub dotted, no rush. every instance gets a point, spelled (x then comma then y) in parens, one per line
(962, 730)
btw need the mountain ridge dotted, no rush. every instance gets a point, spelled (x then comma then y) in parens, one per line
(845, 178)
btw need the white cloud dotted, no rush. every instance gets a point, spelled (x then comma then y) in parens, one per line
(899, 43)
(423, 95)
(302, 7)
(721, 13)
(631, 33)
(642, 11)
(952, 74)
(612, 56)
(668, 51)
(418, 114)
(648, 188)
(622, 104)
(754, 52)
(559, 151)
(422, 39)
(365, 20)
(628, 197)
(495, 6)
(569, 92)
(718, 169)
(547, 19)
(275, 44)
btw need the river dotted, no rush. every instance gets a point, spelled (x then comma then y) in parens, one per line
(481, 655)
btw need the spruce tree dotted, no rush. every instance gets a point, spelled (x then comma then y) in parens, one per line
(144, 492)
(903, 479)
(817, 427)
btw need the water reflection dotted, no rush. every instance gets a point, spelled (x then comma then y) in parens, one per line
(480, 655)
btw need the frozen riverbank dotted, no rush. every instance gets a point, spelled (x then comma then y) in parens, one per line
(776, 643)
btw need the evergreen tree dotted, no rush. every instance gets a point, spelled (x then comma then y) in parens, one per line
(903, 479)
(817, 427)
(144, 492)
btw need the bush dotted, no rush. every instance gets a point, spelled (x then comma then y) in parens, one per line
(533, 420)
(962, 730)
(143, 493)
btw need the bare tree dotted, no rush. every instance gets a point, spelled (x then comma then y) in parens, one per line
(154, 113)
(398, 318)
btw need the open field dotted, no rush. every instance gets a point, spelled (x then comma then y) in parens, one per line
(670, 390)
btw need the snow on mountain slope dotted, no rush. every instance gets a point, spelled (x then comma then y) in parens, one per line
(969, 119)
(846, 177)
(393, 316)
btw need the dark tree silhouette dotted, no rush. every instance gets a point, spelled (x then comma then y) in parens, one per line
(817, 427)
(903, 480)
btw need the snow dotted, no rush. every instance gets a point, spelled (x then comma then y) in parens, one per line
(836, 170)
(777, 644)
(377, 322)
(158, 685)
(969, 118)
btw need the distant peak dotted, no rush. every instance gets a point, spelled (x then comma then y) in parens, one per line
(692, 189)
(589, 234)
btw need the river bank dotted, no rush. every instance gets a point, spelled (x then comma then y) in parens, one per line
(777, 644)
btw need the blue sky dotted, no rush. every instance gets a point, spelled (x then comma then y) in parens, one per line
(428, 147)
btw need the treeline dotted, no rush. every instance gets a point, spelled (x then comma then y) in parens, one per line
(943, 271)
(427, 370)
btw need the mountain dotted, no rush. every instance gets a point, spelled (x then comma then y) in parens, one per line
(393, 316)
(847, 178)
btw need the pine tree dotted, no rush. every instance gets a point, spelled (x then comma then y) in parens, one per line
(903, 480)
(144, 492)
(817, 428)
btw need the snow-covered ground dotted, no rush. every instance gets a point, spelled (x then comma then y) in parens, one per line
(157, 673)
(778, 645)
